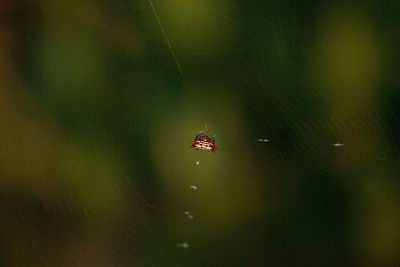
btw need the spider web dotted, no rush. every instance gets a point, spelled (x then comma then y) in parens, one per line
(301, 98)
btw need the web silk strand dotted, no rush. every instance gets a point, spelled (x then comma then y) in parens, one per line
(166, 38)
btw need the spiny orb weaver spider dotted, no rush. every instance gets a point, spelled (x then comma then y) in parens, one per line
(203, 142)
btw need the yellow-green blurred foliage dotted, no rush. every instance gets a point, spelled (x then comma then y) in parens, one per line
(100, 99)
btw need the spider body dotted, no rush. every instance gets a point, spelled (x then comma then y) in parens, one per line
(203, 142)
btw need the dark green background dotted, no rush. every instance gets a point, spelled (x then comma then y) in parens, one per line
(96, 120)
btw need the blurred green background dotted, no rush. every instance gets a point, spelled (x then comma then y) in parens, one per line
(98, 106)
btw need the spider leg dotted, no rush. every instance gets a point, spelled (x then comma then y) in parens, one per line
(213, 139)
(198, 135)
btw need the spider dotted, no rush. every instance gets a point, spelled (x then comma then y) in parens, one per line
(203, 142)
